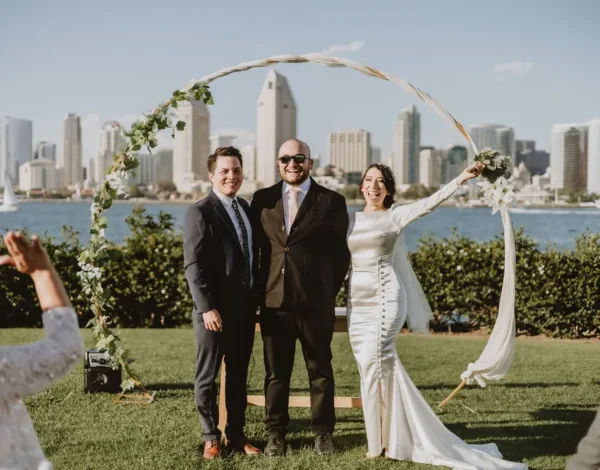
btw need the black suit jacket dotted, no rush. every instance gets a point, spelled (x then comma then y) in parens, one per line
(302, 271)
(214, 259)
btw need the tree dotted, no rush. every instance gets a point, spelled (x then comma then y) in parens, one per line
(166, 186)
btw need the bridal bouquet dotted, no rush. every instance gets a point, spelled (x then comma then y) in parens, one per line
(497, 181)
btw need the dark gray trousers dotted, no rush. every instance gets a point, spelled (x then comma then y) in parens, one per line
(588, 450)
(235, 344)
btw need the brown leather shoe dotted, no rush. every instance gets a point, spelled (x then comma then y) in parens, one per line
(212, 449)
(242, 445)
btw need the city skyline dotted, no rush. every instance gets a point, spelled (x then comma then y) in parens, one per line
(530, 81)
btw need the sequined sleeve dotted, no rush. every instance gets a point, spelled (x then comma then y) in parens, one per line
(31, 368)
(404, 215)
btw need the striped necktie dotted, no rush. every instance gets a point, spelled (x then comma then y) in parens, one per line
(245, 245)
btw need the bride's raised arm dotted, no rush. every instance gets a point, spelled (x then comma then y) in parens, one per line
(404, 215)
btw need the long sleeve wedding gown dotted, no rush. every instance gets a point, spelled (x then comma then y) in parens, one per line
(383, 291)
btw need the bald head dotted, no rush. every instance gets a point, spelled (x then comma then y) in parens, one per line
(294, 147)
(295, 170)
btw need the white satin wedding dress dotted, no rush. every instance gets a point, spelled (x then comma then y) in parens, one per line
(383, 290)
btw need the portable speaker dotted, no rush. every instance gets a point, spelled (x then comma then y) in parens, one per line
(98, 375)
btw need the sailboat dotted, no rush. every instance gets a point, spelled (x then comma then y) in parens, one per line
(10, 202)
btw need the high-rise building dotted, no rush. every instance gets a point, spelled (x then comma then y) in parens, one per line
(569, 156)
(45, 150)
(164, 166)
(111, 143)
(192, 146)
(145, 173)
(16, 147)
(249, 159)
(407, 145)
(38, 174)
(430, 167)
(454, 161)
(275, 123)
(536, 161)
(375, 154)
(350, 150)
(91, 170)
(494, 136)
(72, 148)
(522, 145)
(217, 141)
(593, 176)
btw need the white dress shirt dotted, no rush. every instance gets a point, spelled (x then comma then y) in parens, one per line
(26, 370)
(227, 203)
(304, 187)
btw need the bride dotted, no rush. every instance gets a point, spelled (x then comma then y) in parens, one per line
(383, 292)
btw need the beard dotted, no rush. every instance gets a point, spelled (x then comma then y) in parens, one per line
(295, 179)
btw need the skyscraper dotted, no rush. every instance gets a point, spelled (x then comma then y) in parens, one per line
(249, 158)
(192, 146)
(522, 145)
(430, 167)
(16, 146)
(350, 150)
(375, 154)
(71, 161)
(569, 157)
(45, 150)
(454, 161)
(407, 145)
(164, 166)
(145, 173)
(495, 136)
(111, 142)
(275, 123)
(593, 176)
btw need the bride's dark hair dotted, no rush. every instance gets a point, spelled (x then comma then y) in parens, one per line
(388, 181)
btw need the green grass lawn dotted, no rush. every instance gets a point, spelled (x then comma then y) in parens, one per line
(536, 414)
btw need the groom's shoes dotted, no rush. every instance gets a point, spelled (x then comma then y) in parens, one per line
(324, 444)
(212, 449)
(275, 446)
(242, 445)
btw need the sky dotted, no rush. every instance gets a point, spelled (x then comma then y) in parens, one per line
(528, 64)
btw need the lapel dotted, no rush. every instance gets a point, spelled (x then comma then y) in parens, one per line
(272, 215)
(222, 213)
(309, 200)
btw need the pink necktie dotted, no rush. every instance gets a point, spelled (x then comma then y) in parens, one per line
(293, 207)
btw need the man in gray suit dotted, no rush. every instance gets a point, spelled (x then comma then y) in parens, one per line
(217, 244)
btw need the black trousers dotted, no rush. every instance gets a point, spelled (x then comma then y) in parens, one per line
(235, 344)
(280, 330)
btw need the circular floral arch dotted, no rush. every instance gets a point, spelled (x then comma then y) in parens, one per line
(497, 355)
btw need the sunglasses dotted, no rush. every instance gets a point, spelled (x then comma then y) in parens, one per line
(299, 159)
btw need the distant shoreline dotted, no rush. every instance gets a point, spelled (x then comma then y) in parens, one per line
(349, 202)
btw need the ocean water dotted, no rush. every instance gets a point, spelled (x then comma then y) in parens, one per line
(557, 227)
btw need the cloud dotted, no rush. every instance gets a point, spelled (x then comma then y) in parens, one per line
(511, 69)
(354, 46)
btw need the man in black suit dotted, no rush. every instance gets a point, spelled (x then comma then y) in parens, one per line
(218, 267)
(300, 245)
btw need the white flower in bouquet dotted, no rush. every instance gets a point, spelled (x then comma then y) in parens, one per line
(497, 181)
(497, 194)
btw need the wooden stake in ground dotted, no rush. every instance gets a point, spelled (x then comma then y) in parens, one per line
(453, 394)
(143, 398)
